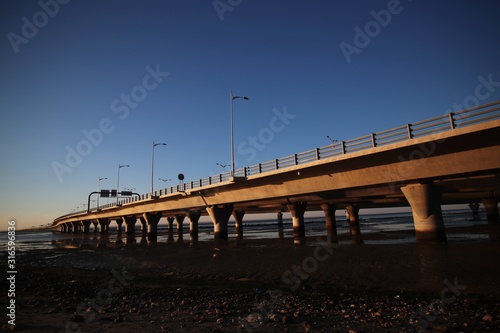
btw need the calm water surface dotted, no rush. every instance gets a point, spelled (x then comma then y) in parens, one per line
(376, 229)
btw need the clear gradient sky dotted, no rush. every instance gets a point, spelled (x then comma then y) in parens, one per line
(138, 71)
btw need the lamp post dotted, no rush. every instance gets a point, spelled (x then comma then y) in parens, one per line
(99, 189)
(164, 181)
(231, 99)
(153, 164)
(332, 141)
(118, 183)
(223, 166)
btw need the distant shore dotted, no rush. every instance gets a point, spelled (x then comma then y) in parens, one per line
(263, 285)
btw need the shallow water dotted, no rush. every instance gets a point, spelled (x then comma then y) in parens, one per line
(375, 229)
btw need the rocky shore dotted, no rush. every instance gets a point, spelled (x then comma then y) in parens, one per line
(260, 286)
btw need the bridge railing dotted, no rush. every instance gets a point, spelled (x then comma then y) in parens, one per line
(446, 122)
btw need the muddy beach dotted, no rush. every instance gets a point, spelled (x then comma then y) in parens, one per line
(260, 286)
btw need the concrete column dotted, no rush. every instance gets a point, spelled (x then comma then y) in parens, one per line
(475, 210)
(491, 210)
(331, 223)
(76, 227)
(425, 202)
(179, 219)
(130, 224)
(353, 218)
(64, 228)
(280, 219)
(96, 225)
(152, 220)
(144, 225)
(194, 217)
(86, 226)
(69, 226)
(220, 216)
(119, 222)
(238, 224)
(170, 220)
(104, 224)
(297, 210)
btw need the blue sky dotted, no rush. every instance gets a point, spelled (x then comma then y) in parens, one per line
(144, 71)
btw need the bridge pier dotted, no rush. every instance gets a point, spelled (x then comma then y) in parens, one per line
(238, 224)
(194, 217)
(475, 210)
(491, 210)
(144, 225)
(297, 210)
(130, 224)
(96, 225)
(64, 227)
(280, 218)
(331, 223)
(352, 211)
(170, 221)
(220, 216)
(86, 226)
(104, 224)
(69, 227)
(425, 202)
(76, 227)
(119, 222)
(152, 220)
(179, 219)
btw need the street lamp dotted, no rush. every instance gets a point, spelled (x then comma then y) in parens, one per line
(223, 166)
(331, 140)
(153, 164)
(231, 99)
(164, 181)
(118, 183)
(99, 189)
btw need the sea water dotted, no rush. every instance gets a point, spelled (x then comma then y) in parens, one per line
(376, 229)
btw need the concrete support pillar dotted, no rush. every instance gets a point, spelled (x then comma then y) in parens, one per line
(86, 226)
(425, 202)
(474, 207)
(130, 224)
(144, 225)
(64, 228)
(352, 211)
(69, 226)
(331, 223)
(491, 206)
(238, 224)
(119, 222)
(220, 216)
(194, 217)
(152, 220)
(170, 220)
(104, 225)
(96, 225)
(297, 210)
(76, 227)
(179, 219)
(280, 219)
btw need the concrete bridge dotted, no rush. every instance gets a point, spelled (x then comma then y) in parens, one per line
(449, 159)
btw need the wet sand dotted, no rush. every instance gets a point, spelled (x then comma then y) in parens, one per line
(260, 286)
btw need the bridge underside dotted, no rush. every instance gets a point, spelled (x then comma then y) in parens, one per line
(464, 164)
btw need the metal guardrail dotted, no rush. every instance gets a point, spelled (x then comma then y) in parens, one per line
(446, 122)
